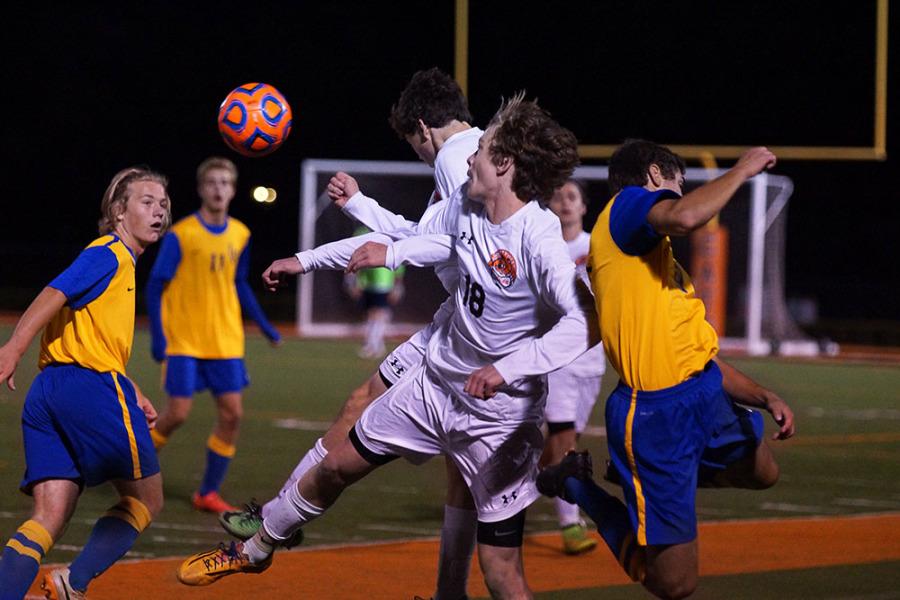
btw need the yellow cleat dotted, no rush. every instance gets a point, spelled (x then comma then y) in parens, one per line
(56, 586)
(205, 568)
(576, 539)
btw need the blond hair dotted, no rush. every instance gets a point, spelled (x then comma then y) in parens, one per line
(116, 196)
(216, 162)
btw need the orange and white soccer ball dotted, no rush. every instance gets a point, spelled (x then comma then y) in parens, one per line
(255, 119)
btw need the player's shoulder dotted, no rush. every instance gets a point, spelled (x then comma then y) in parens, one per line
(103, 241)
(185, 224)
(238, 226)
(457, 149)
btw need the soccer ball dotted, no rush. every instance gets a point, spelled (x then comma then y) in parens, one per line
(255, 119)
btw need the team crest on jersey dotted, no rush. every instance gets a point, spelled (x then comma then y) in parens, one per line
(503, 267)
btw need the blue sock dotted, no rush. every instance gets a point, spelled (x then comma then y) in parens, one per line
(613, 523)
(113, 535)
(21, 559)
(218, 457)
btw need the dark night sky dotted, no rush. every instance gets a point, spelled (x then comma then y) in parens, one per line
(91, 90)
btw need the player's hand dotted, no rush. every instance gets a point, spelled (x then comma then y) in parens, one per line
(370, 254)
(783, 415)
(756, 160)
(145, 405)
(277, 274)
(9, 360)
(341, 188)
(484, 382)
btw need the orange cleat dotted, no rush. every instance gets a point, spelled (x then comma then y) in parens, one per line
(211, 502)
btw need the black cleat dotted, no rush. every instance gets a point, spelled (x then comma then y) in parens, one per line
(612, 475)
(551, 480)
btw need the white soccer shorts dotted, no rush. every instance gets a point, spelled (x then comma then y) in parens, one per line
(417, 419)
(570, 398)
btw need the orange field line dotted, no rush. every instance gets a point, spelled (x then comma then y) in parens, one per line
(395, 570)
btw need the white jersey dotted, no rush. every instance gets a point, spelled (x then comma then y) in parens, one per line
(450, 172)
(593, 362)
(515, 304)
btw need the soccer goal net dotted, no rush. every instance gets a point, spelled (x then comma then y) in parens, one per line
(757, 320)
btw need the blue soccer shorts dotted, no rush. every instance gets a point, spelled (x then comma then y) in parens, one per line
(85, 426)
(186, 375)
(661, 441)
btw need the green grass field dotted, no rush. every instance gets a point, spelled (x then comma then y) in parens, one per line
(844, 460)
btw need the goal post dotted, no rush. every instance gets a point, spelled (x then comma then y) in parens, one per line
(757, 319)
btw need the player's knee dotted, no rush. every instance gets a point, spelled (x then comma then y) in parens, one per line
(230, 417)
(177, 414)
(768, 475)
(672, 588)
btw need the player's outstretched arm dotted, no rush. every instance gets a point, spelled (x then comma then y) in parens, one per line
(280, 271)
(33, 320)
(746, 391)
(696, 208)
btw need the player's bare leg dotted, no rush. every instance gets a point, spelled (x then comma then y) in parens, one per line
(173, 416)
(672, 570)
(54, 503)
(757, 471)
(230, 412)
(353, 407)
(504, 573)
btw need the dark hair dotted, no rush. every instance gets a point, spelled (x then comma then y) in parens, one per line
(581, 187)
(544, 153)
(631, 161)
(432, 96)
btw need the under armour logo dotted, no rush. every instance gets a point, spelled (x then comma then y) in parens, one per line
(466, 237)
(510, 498)
(396, 366)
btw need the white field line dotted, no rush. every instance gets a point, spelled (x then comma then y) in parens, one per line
(854, 414)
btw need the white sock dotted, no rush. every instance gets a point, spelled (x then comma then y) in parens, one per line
(315, 455)
(568, 513)
(288, 514)
(457, 545)
(257, 549)
(375, 328)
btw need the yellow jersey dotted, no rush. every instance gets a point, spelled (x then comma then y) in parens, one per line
(201, 311)
(653, 327)
(95, 328)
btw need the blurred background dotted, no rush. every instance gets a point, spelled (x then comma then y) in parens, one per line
(91, 89)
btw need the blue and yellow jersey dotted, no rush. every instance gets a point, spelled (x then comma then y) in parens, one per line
(95, 328)
(201, 311)
(653, 327)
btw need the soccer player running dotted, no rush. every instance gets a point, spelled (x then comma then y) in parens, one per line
(573, 389)
(197, 289)
(479, 398)
(674, 422)
(433, 117)
(84, 422)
